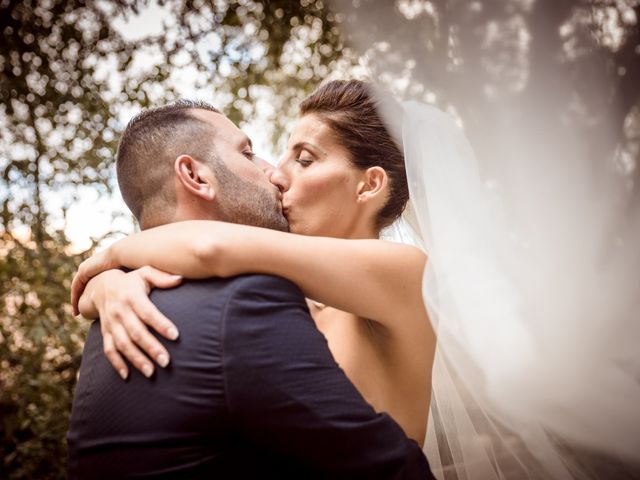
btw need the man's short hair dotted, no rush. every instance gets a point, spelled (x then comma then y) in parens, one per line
(148, 148)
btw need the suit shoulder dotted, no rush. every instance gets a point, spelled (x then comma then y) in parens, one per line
(266, 300)
(264, 285)
(194, 295)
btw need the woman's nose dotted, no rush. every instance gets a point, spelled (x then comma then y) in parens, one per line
(279, 178)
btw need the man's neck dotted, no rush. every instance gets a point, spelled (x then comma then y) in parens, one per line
(180, 215)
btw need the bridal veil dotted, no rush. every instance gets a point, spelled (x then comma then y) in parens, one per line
(536, 372)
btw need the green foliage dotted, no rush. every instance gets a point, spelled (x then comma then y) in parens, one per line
(40, 344)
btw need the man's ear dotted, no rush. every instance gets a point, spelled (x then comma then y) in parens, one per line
(373, 183)
(193, 177)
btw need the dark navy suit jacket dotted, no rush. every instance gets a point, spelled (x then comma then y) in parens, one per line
(252, 391)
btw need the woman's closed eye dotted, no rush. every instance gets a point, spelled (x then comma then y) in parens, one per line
(304, 159)
(304, 162)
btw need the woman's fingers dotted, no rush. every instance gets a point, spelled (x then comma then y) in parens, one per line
(126, 335)
(124, 309)
(158, 278)
(126, 347)
(141, 336)
(147, 311)
(113, 356)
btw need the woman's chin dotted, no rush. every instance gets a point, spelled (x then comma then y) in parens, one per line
(299, 228)
(295, 228)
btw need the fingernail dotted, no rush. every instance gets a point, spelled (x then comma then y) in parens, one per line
(162, 360)
(172, 333)
(123, 374)
(147, 370)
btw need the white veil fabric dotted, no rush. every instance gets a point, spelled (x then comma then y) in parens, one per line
(537, 371)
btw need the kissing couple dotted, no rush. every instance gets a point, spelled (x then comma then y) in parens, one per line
(299, 346)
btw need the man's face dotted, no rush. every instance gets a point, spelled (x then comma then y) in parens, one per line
(244, 193)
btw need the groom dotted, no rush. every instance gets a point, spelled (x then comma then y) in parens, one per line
(252, 390)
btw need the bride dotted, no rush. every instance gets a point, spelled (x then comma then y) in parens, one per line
(342, 177)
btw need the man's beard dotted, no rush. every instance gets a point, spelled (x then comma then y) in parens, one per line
(246, 203)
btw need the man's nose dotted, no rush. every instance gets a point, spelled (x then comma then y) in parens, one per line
(265, 166)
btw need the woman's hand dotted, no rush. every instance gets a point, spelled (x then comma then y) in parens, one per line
(124, 308)
(196, 248)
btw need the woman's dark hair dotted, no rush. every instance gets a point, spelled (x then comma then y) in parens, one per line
(350, 109)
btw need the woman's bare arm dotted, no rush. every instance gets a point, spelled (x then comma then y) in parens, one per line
(374, 279)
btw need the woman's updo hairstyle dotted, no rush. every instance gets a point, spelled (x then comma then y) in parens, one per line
(349, 108)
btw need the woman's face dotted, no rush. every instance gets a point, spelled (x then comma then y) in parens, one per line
(318, 182)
